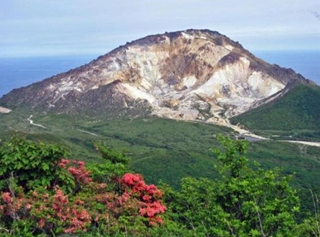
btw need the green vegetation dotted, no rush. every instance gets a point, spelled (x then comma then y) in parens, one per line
(158, 148)
(161, 149)
(77, 200)
(108, 200)
(241, 202)
(294, 116)
(32, 164)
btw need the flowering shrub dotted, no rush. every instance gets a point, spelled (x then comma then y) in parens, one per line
(148, 196)
(78, 171)
(74, 215)
(56, 211)
(50, 208)
(11, 205)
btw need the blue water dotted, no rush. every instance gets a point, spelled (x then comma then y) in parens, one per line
(18, 72)
(307, 63)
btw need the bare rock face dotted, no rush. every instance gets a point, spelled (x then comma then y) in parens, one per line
(189, 75)
(4, 110)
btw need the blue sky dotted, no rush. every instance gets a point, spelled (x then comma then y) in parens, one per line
(68, 27)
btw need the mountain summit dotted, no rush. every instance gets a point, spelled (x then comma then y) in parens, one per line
(189, 75)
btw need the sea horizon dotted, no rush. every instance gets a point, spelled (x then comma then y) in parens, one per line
(304, 62)
(17, 72)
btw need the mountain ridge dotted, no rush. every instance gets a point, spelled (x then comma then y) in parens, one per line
(188, 75)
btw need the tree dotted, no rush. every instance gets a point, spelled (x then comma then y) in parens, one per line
(114, 165)
(32, 164)
(244, 201)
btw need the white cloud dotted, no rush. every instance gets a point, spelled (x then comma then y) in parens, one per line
(83, 26)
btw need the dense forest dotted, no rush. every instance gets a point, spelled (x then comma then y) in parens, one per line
(295, 115)
(43, 193)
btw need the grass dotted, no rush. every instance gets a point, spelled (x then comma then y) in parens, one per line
(158, 148)
(296, 115)
(163, 149)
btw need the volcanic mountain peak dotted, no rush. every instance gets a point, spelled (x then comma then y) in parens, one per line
(190, 75)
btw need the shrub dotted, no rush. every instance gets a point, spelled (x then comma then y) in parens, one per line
(242, 202)
(32, 164)
(132, 207)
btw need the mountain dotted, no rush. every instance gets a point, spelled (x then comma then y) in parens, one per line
(297, 110)
(187, 75)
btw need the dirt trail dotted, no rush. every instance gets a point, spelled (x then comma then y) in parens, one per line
(241, 131)
(224, 122)
(247, 133)
(317, 144)
(91, 133)
(34, 124)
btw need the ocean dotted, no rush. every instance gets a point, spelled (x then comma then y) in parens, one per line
(306, 63)
(19, 72)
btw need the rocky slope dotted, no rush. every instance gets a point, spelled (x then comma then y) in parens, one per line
(189, 75)
(4, 110)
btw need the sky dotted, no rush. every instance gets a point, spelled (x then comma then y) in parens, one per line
(95, 27)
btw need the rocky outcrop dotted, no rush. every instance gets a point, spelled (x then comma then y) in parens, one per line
(4, 110)
(190, 75)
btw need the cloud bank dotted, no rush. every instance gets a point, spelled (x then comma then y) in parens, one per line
(61, 27)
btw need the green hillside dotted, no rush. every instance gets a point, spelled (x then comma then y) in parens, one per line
(44, 194)
(296, 115)
(160, 149)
